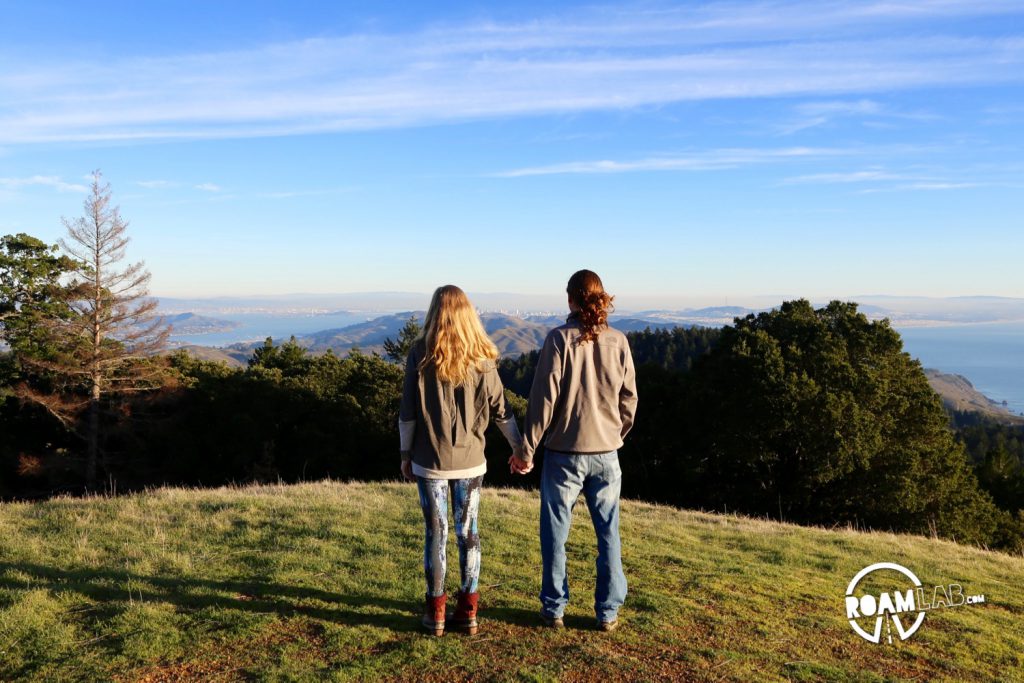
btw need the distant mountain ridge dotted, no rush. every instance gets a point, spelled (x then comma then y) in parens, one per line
(512, 335)
(193, 323)
(515, 335)
(367, 336)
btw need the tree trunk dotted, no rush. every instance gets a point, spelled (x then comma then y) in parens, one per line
(97, 338)
(93, 435)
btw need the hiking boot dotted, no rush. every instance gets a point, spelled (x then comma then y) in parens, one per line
(433, 614)
(608, 626)
(465, 613)
(551, 622)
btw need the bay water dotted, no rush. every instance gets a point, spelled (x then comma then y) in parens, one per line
(259, 326)
(990, 355)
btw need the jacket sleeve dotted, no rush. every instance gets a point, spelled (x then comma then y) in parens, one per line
(627, 394)
(407, 408)
(543, 396)
(504, 418)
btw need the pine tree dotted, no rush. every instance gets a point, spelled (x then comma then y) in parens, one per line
(106, 345)
(407, 336)
(31, 286)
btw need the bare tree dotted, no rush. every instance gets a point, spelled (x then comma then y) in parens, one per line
(106, 346)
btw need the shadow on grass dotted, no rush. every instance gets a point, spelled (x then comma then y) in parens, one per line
(112, 588)
(531, 618)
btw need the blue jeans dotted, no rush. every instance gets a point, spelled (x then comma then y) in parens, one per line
(600, 479)
(466, 504)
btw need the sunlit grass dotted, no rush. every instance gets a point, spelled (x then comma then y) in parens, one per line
(324, 581)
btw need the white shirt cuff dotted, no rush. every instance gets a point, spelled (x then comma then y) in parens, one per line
(406, 431)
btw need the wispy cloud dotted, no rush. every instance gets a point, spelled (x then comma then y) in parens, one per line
(711, 160)
(44, 181)
(603, 58)
(939, 186)
(873, 113)
(872, 176)
(926, 186)
(891, 181)
(1003, 115)
(168, 184)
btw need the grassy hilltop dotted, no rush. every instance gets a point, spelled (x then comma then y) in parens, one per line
(323, 581)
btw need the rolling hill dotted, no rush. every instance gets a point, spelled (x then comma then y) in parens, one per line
(513, 335)
(323, 581)
(958, 393)
(193, 323)
(232, 356)
(368, 336)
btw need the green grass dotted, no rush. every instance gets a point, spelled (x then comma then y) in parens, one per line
(324, 582)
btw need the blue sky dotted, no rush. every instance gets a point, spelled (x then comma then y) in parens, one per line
(705, 151)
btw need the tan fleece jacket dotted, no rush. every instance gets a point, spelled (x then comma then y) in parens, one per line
(584, 394)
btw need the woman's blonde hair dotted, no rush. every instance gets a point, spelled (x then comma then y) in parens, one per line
(455, 338)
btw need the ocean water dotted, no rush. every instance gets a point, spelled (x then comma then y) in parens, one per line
(991, 356)
(259, 326)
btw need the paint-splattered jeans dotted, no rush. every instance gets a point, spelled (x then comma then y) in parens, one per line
(466, 504)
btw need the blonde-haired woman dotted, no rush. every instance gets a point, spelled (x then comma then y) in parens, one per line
(451, 392)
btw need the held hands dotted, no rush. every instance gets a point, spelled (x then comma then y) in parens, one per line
(517, 465)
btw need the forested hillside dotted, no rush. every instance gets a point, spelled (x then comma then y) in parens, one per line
(814, 416)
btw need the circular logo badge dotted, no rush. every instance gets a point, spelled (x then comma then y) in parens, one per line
(888, 608)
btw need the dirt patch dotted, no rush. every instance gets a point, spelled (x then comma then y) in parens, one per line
(223, 662)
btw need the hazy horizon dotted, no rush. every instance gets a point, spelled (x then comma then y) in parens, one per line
(638, 301)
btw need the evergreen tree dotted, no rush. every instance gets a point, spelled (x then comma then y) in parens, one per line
(32, 290)
(105, 346)
(289, 358)
(397, 351)
(819, 416)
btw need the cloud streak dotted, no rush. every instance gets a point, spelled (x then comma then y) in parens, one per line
(603, 59)
(711, 160)
(54, 182)
(882, 180)
(815, 114)
(871, 176)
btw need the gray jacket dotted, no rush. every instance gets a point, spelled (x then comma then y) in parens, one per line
(442, 426)
(583, 395)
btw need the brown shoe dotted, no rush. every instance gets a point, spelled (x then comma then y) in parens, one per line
(608, 626)
(433, 614)
(551, 622)
(465, 613)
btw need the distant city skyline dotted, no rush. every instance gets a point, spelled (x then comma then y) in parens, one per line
(698, 152)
